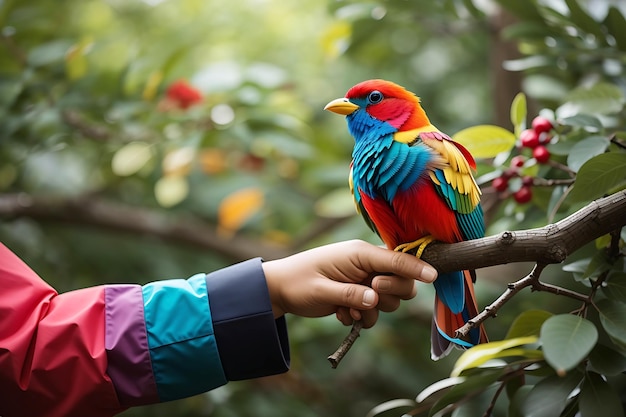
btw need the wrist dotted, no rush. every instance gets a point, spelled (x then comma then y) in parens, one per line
(272, 272)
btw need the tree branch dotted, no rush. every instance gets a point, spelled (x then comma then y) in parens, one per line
(173, 228)
(347, 343)
(546, 245)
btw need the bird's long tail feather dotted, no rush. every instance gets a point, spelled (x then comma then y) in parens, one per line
(455, 304)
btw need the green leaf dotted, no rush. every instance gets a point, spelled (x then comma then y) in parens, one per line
(582, 19)
(49, 53)
(472, 406)
(599, 264)
(517, 402)
(527, 30)
(528, 323)
(556, 200)
(603, 241)
(10, 89)
(578, 266)
(607, 361)
(615, 286)
(549, 397)
(482, 353)
(598, 175)
(597, 398)
(518, 113)
(469, 387)
(474, 11)
(392, 405)
(544, 87)
(485, 141)
(616, 25)
(613, 319)
(336, 204)
(526, 10)
(602, 98)
(526, 63)
(582, 120)
(586, 149)
(75, 62)
(567, 340)
(562, 147)
(515, 383)
(438, 386)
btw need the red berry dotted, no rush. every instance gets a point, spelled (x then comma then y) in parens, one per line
(541, 154)
(518, 161)
(500, 184)
(523, 195)
(541, 124)
(529, 138)
(183, 94)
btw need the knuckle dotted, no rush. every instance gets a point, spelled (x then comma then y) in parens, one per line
(398, 261)
(349, 294)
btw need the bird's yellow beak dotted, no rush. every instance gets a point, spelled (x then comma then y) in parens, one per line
(341, 106)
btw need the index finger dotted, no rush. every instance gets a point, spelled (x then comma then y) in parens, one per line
(397, 263)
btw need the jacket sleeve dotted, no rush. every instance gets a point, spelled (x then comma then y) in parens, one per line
(100, 350)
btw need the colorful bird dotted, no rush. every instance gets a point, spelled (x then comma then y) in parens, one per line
(412, 184)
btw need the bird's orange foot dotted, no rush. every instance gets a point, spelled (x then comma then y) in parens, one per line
(420, 244)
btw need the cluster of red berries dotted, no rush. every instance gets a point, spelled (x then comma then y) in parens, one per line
(537, 137)
(183, 95)
(534, 139)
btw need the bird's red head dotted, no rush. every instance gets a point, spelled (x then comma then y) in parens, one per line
(389, 102)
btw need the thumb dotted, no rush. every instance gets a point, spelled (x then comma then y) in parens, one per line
(348, 295)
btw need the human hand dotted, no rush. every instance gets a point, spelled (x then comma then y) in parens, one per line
(353, 279)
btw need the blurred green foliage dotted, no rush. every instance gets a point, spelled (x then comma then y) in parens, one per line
(85, 115)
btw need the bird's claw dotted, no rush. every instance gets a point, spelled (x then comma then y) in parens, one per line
(420, 244)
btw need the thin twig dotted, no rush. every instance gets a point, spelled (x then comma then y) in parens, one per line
(492, 309)
(347, 343)
(530, 280)
(492, 404)
(555, 289)
(543, 182)
(612, 252)
(617, 142)
(562, 167)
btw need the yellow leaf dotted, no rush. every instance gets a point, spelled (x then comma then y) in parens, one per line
(237, 208)
(480, 354)
(518, 112)
(130, 158)
(152, 85)
(335, 39)
(171, 190)
(75, 61)
(485, 141)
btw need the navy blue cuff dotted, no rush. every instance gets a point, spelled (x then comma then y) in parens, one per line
(251, 343)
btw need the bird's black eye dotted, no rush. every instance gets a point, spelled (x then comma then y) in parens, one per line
(375, 97)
